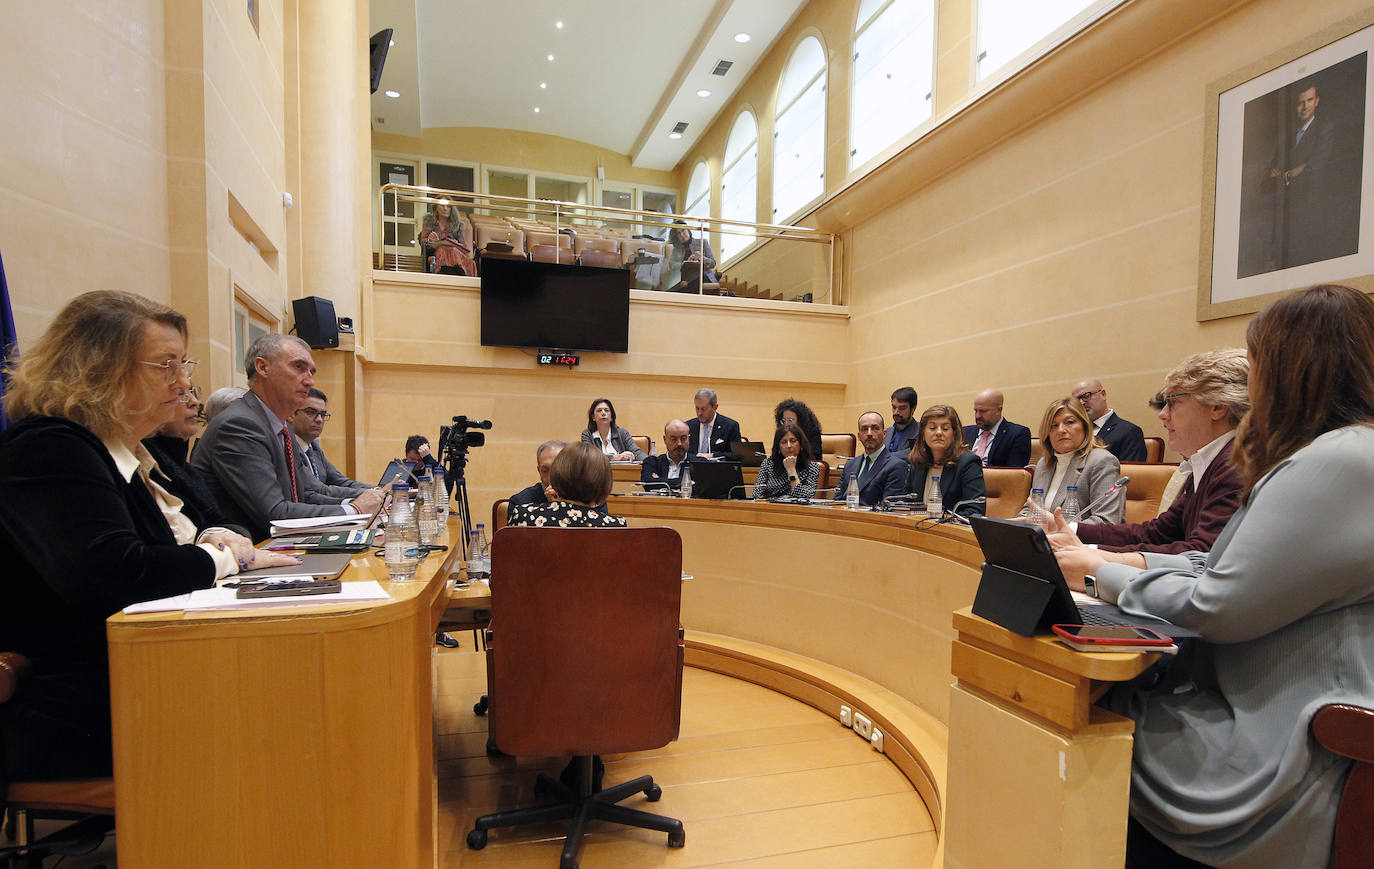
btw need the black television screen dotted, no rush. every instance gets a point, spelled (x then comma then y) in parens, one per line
(553, 306)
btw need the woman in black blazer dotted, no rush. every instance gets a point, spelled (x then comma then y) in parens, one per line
(85, 528)
(940, 447)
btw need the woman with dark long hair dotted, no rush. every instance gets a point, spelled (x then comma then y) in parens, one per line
(1225, 770)
(789, 471)
(798, 414)
(603, 432)
(939, 451)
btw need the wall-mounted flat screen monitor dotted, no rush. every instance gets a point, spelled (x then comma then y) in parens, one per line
(554, 306)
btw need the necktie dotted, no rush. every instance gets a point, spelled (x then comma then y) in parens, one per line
(290, 461)
(980, 449)
(1299, 141)
(863, 469)
(705, 449)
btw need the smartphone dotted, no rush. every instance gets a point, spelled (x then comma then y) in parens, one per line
(1112, 635)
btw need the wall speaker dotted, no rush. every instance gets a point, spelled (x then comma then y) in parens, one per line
(377, 48)
(316, 324)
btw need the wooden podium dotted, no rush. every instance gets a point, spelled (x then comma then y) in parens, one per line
(1038, 775)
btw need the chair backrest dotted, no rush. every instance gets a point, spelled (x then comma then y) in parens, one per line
(1146, 488)
(1154, 449)
(839, 444)
(13, 668)
(1349, 731)
(823, 480)
(498, 514)
(605, 259)
(586, 242)
(586, 642)
(644, 442)
(547, 236)
(547, 253)
(1008, 489)
(484, 234)
(1037, 450)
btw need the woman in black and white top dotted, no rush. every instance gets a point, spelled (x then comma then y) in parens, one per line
(602, 432)
(789, 470)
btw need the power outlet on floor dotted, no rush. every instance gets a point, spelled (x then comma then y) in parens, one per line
(863, 725)
(846, 716)
(876, 740)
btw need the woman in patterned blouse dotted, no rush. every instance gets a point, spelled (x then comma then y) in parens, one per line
(581, 477)
(789, 471)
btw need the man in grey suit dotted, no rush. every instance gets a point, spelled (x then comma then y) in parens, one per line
(308, 424)
(244, 452)
(1123, 438)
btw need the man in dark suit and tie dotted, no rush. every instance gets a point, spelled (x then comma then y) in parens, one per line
(539, 492)
(308, 424)
(998, 441)
(248, 454)
(880, 472)
(666, 469)
(1123, 438)
(721, 430)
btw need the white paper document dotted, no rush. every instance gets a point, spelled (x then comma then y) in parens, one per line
(285, 526)
(221, 598)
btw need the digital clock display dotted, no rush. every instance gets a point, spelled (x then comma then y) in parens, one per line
(550, 357)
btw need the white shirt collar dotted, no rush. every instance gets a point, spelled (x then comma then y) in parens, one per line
(873, 456)
(1201, 460)
(129, 462)
(1102, 420)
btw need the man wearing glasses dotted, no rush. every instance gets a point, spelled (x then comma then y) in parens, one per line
(1123, 438)
(307, 423)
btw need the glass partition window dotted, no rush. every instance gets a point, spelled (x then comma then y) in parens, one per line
(894, 68)
(1006, 28)
(739, 182)
(662, 202)
(560, 190)
(799, 132)
(699, 192)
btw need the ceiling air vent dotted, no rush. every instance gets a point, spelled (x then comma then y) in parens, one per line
(722, 67)
(680, 127)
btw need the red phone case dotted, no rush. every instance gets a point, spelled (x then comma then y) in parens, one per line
(1104, 641)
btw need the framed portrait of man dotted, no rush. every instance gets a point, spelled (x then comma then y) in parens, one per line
(1290, 141)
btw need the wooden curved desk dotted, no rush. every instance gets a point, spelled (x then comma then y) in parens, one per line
(286, 737)
(996, 731)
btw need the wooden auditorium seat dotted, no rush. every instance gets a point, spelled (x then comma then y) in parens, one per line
(498, 514)
(1037, 450)
(1349, 731)
(1146, 488)
(1008, 489)
(1154, 449)
(644, 442)
(605, 259)
(839, 444)
(494, 241)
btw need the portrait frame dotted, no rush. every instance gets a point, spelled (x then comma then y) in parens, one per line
(1255, 228)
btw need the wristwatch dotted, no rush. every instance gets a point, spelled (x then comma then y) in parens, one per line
(1090, 585)
(793, 478)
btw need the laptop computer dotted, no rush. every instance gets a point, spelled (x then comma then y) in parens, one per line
(1024, 590)
(750, 454)
(717, 480)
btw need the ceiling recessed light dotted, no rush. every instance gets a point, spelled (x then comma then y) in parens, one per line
(536, 110)
(543, 85)
(675, 135)
(741, 38)
(703, 93)
(393, 94)
(558, 24)
(551, 57)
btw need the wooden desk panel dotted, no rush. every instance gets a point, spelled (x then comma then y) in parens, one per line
(290, 737)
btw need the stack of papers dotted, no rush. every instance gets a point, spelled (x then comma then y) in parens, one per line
(221, 598)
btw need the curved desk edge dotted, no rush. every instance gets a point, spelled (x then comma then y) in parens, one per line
(913, 740)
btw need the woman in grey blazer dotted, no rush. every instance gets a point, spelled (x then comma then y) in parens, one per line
(601, 431)
(1074, 457)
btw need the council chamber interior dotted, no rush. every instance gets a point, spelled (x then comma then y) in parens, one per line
(1037, 221)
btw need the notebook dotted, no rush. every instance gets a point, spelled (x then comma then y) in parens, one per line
(749, 453)
(1024, 590)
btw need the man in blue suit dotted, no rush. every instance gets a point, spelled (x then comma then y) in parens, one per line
(721, 430)
(998, 441)
(665, 469)
(881, 473)
(1123, 438)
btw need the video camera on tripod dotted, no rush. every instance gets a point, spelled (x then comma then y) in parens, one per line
(454, 442)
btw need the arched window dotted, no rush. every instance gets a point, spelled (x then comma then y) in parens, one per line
(699, 192)
(739, 182)
(1008, 27)
(799, 131)
(894, 69)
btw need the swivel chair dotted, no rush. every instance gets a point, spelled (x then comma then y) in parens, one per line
(585, 658)
(1349, 731)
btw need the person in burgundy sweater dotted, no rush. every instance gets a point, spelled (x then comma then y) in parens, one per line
(1201, 404)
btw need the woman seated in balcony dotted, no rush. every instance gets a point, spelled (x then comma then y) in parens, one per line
(939, 451)
(601, 431)
(447, 245)
(789, 471)
(691, 262)
(1225, 770)
(1074, 456)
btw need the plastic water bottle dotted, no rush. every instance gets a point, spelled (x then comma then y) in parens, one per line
(1069, 509)
(851, 495)
(1037, 507)
(934, 504)
(429, 517)
(441, 497)
(402, 550)
(483, 550)
(686, 480)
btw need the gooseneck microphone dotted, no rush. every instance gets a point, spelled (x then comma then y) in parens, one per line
(1104, 497)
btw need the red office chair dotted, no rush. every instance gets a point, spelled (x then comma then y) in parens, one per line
(1349, 732)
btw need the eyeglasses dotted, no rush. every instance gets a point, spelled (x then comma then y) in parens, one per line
(1170, 399)
(1087, 395)
(172, 370)
(313, 413)
(1156, 403)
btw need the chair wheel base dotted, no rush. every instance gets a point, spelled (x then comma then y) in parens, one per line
(477, 839)
(677, 839)
(654, 793)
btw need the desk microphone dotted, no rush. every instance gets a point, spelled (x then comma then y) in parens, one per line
(955, 516)
(730, 495)
(1104, 497)
(655, 487)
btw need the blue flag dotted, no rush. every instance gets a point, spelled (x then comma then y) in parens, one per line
(9, 341)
